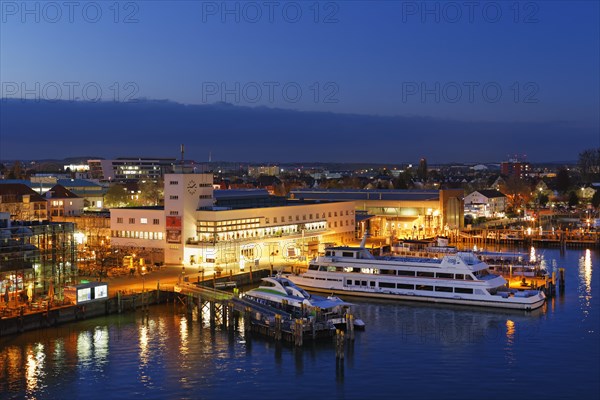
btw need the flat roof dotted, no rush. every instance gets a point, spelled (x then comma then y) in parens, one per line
(365, 194)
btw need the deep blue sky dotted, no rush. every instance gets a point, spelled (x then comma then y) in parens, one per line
(373, 58)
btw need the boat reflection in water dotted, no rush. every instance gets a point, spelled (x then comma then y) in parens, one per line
(451, 325)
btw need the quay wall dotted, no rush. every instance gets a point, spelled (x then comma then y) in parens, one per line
(120, 301)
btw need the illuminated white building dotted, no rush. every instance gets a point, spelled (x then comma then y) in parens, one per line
(130, 169)
(198, 226)
(485, 203)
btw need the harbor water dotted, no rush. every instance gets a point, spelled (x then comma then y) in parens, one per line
(408, 350)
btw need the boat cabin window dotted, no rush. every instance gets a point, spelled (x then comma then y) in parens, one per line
(372, 283)
(363, 283)
(347, 254)
(425, 287)
(366, 270)
(355, 269)
(328, 254)
(313, 267)
(481, 273)
(443, 289)
(468, 277)
(387, 285)
(459, 276)
(405, 286)
(425, 274)
(463, 290)
(349, 282)
(322, 268)
(444, 275)
(406, 273)
(357, 283)
(387, 272)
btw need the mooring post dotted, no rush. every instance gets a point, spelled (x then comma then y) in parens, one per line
(212, 312)
(119, 299)
(561, 284)
(350, 326)
(157, 292)
(247, 319)
(230, 314)
(339, 346)
(277, 327)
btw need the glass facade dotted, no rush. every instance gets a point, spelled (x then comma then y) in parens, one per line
(35, 255)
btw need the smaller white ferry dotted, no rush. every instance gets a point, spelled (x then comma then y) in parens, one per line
(457, 278)
(281, 293)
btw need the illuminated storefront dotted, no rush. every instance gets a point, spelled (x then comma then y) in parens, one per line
(34, 257)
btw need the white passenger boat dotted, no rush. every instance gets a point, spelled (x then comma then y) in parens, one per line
(459, 278)
(281, 293)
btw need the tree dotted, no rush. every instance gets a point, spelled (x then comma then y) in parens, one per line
(16, 172)
(116, 196)
(573, 199)
(589, 164)
(542, 199)
(563, 180)
(596, 199)
(517, 191)
(150, 193)
(422, 170)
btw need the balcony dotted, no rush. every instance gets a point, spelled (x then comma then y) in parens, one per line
(252, 236)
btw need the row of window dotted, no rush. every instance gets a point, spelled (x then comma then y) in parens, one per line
(138, 235)
(229, 222)
(375, 271)
(155, 221)
(199, 185)
(307, 217)
(390, 285)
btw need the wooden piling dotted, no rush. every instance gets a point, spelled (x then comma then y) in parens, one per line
(278, 327)
(350, 326)
(339, 346)
(561, 284)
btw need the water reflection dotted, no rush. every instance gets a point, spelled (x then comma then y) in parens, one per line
(585, 281)
(34, 371)
(510, 341)
(510, 332)
(170, 355)
(84, 348)
(143, 345)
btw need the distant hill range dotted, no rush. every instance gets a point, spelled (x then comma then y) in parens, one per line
(38, 129)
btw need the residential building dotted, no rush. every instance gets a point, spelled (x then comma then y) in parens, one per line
(22, 203)
(91, 192)
(516, 168)
(63, 202)
(485, 203)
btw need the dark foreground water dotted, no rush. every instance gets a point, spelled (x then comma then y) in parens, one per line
(408, 351)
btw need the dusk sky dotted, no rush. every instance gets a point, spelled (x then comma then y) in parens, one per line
(523, 71)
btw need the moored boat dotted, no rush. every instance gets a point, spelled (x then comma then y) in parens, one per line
(454, 278)
(281, 293)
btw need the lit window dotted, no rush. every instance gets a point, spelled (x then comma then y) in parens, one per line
(143, 220)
